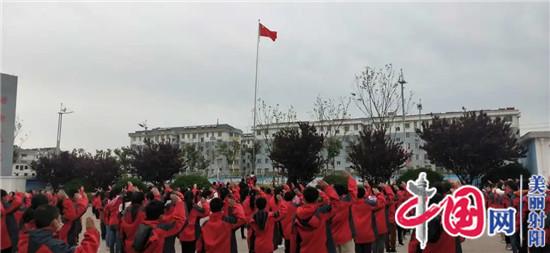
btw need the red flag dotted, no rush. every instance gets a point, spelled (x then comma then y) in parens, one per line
(267, 33)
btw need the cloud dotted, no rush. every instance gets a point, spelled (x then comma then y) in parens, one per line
(117, 64)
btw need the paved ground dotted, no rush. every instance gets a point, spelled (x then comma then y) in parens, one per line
(483, 245)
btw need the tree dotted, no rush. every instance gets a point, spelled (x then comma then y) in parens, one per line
(508, 171)
(56, 169)
(412, 174)
(377, 95)
(296, 150)
(230, 151)
(193, 159)
(471, 145)
(105, 169)
(375, 156)
(332, 113)
(156, 162)
(124, 158)
(247, 158)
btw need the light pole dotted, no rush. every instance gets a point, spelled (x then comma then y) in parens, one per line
(62, 110)
(402, 81)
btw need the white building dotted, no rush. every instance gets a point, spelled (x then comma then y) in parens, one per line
(22, 166)
(537, 158)
(205, 138)
(347, 130)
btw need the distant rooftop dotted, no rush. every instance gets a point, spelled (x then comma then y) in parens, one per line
(190, 128)
(534, 135)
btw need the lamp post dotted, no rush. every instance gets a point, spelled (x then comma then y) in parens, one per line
(62, 110)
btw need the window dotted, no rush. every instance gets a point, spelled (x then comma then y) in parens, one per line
(397, 129)
(258, 132)
(416, 145)
(337, 131)
(408, 145)
(328, 128)
(194, 136)
(398, 139)
(407, 135)
(407, 125)
(266, 132)
(337, 162)
(16, 174)
(508, 118)
(258, 161)
(202, 139)
(266, 160)
(415, 124)
(33, 174)
(416, 157)
(25, 174)
(355, 127)
(346, 128)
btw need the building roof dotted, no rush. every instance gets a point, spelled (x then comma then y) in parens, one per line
(188, 128)
(534, 135)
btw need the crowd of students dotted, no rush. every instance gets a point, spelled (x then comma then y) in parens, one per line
(301, 219)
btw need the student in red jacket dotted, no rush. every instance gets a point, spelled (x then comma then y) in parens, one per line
(262, 228)
(311, 219)
(27, 222)
(131, 218)
(361, 212)
(379, 225)
(288, 211)
(215, 236)
(191, 230)
(391, 202)
(341, 227)
(41, 240)
(10, 231)
(152, 232)
(112, 221)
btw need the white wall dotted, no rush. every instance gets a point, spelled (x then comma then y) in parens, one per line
(10, 183)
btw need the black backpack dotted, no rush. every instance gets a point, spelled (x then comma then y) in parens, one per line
(142, 237)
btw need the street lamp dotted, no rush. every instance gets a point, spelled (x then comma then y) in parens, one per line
(62, 110)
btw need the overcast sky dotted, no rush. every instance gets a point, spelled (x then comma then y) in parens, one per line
(177, 64)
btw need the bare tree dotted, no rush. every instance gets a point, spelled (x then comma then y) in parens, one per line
(377, 95)
(332, 113)
(268, 117)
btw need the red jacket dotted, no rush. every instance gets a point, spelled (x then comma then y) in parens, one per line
(72, 211)
(391, 203)
(341, 227)
(216, 233)
(129, 225)
(379, 226)
(111, 211)
(288, 212)
(191, 230)
(361, 211)
(5, 240)
(261, 240)
(166, 227)
(311, 228)
(42, 241)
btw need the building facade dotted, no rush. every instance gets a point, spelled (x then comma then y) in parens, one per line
(347, 131)
(207, 139)
(25, 157)
(537, 158)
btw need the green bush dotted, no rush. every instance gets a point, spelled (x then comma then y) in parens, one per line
(73, 186)
(412, 174)
(509, 171)
(336, 179)
(121, 183)
(189, 180)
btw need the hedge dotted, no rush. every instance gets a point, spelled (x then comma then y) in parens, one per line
(412, 174)
(187, 181)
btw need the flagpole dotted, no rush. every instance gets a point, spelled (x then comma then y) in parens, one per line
(255, 102)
